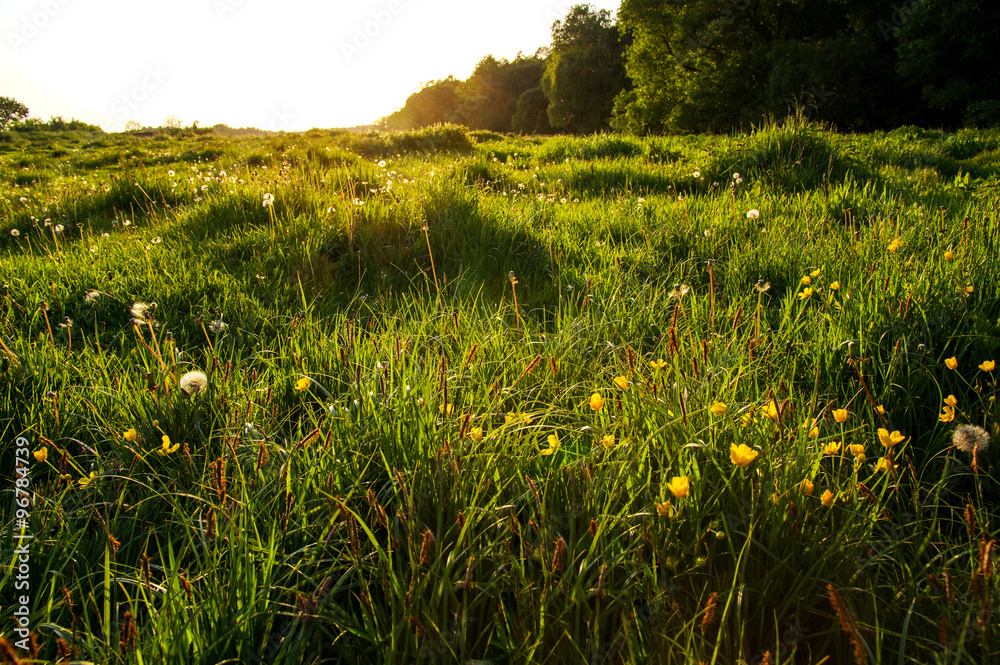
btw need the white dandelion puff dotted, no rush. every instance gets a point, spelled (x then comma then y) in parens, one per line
(193, 383)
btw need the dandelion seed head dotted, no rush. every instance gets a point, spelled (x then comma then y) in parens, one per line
(970, 438)
(194, 383)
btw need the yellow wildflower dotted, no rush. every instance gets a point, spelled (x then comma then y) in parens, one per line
(840, 415)
(679, 486)
(832, 448)
(951, 400)
(742, 454)
(553, 445)
(827, 498)
(889, 440)
(130, 434)
(657, 365)
(988, 366)
(665, 509)
(302, 384)
(41, 454)
(608, 441)
(834, 286)
(947, 415)
(620, 382)
(951, 363)
(806, 487)
(806, 292)
(719, 408)
(596, 402)
(856, 449)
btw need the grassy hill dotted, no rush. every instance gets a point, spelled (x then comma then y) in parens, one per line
(450, 397)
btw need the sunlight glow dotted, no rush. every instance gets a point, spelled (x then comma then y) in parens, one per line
(288, 65)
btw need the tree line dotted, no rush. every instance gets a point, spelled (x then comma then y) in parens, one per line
(721, 65)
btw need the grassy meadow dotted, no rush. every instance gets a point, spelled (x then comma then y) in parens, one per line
(477, 398)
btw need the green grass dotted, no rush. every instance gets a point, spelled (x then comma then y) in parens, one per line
(365, 477)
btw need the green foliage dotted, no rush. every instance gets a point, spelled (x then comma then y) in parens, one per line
(487, 100)
(947, 49)
(11, 112)
(398, 455)
(584, 72)
(716, 65)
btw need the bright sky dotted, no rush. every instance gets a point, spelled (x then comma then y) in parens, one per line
(281, 65)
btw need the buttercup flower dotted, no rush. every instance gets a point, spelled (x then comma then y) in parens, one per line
(450, 409)
(813, 429)
(880, 410)
(742, 454)
(679, 486)
(719, 409)
(949, 255)
(840, 415)
(806, 292)
(988, 366)
(608, 441)
(41, 454)
(130, 434)
(827, 498)
(951, 363)
(553, 445)
(664, 509)
(894, 245)
(889, 440)
(86, 480)
(806, 487)
(165, 447)
(832, 448)
(476, 433)
(856, 449)
(770, 410)
(834, 286)
(303, 384)
(596, 402)
(620, 382)
(806, 281)
(883, 464)
(947, 415)
(657, 365)
(951, 400)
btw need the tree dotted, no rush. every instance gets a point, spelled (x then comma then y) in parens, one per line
(585, 70)
(717, 65)
(488, 98)
(11, 111)
(434, 103)
(947, 48)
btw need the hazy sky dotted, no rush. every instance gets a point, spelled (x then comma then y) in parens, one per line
(288, 65)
